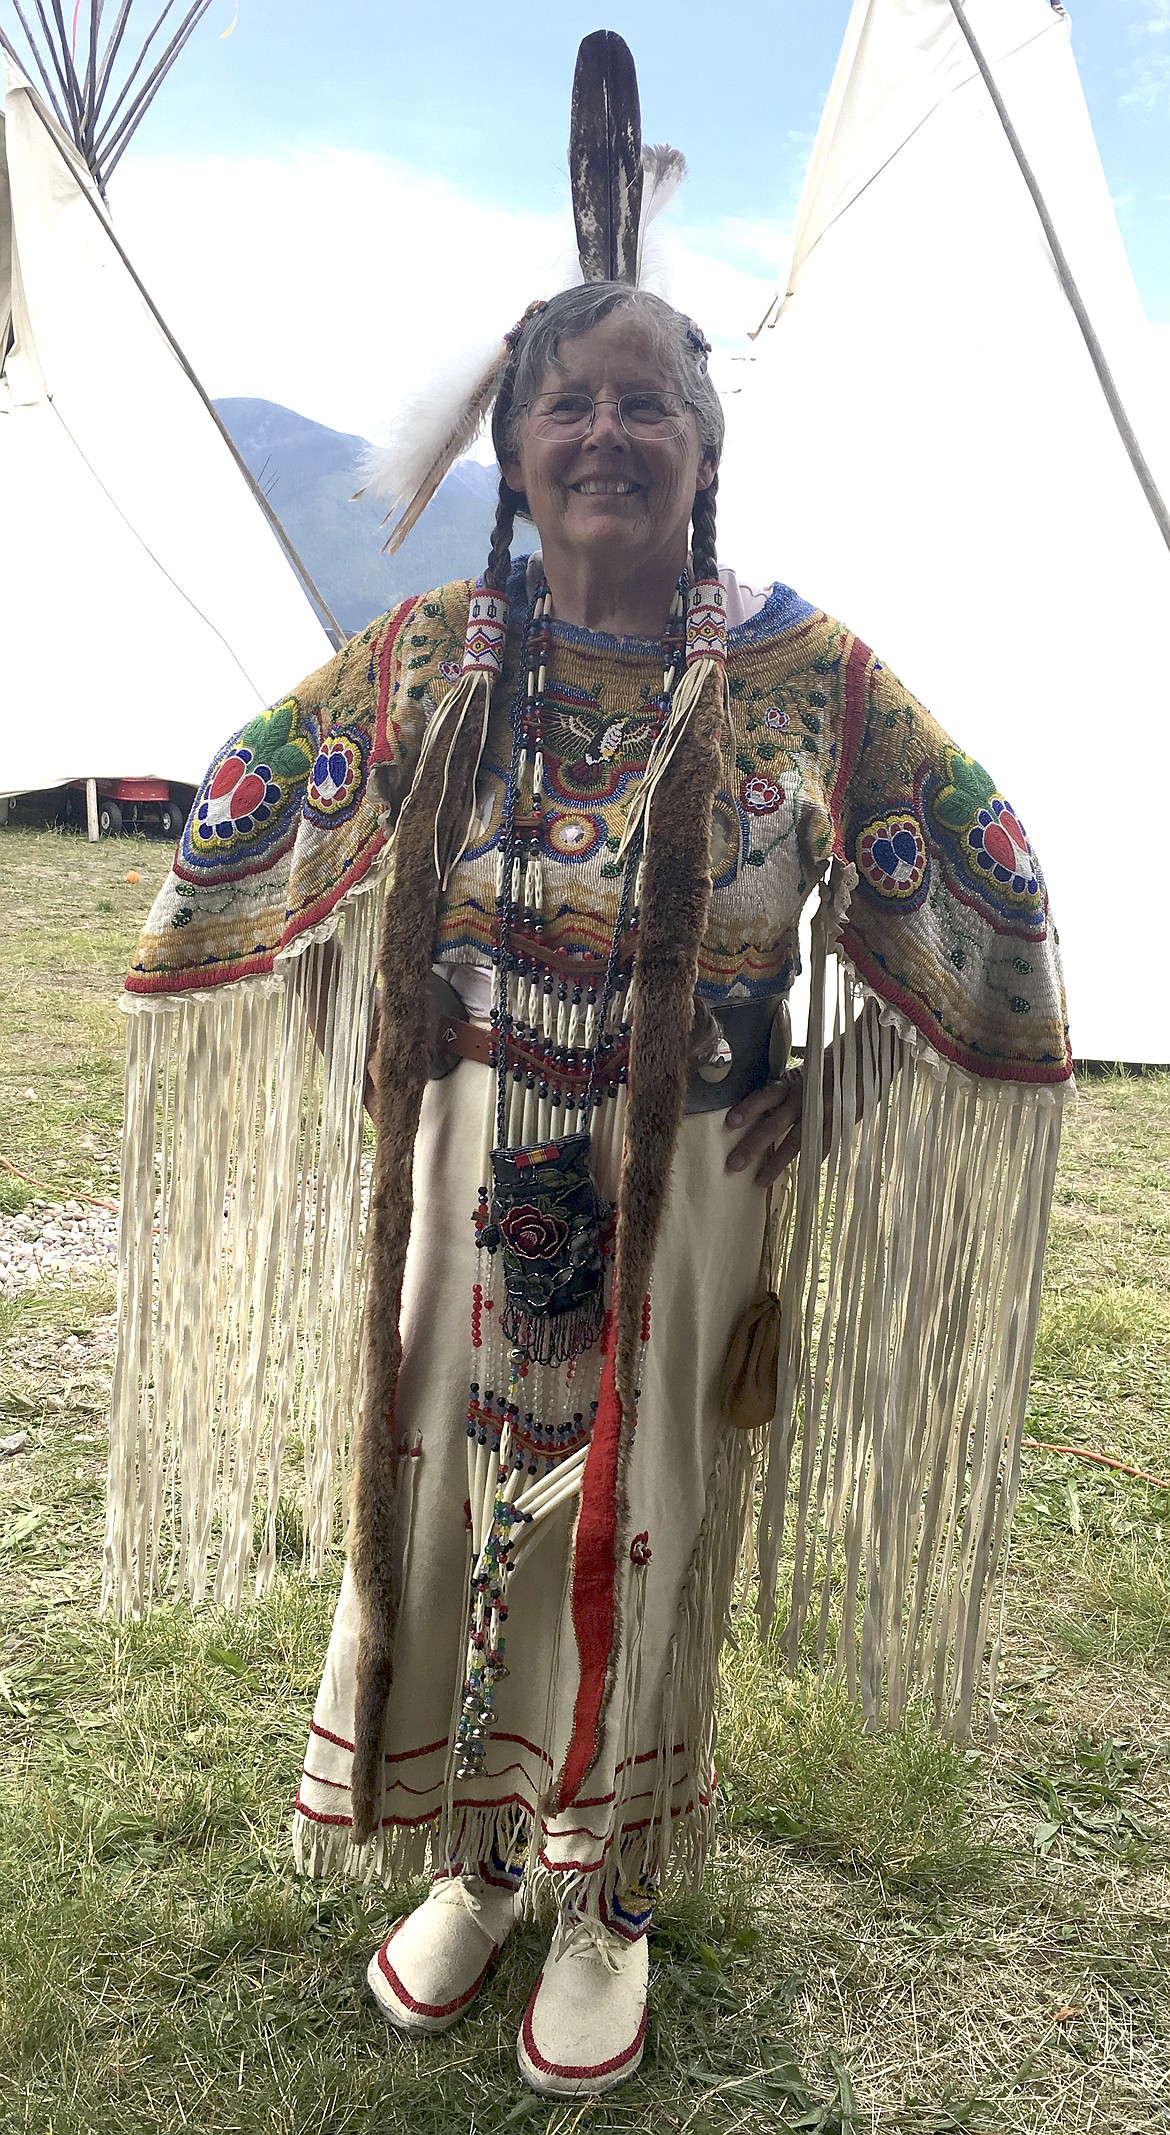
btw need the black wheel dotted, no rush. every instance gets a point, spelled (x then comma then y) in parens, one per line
(170, 822)
(109, 819)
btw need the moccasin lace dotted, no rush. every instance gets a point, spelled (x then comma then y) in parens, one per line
(461, 1891)
(586, 1935)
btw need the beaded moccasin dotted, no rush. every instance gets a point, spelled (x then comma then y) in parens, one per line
(432, 1964)
(584, 2029)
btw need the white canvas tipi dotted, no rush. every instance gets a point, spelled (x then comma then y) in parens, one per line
(147, 606)
(922, 444)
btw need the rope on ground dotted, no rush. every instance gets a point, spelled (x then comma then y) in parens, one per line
(1106, 1460)
(94, 1199)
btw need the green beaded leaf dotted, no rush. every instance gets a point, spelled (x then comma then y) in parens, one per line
(292, 761)
(271, 729)
(967, 789)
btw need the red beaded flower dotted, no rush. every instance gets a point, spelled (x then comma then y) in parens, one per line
(761, 796)
(532, 1233)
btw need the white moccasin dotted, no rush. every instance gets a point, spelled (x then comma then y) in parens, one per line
(432, 1964)
(584, 2029)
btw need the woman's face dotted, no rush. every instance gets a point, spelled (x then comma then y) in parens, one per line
(627, 500)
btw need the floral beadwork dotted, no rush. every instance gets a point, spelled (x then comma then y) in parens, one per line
(985, 843)
(337, 779)
(999, 844)
(760, 795)
(892, 859)
(533, 1233)
(249, 803)
(240, 797)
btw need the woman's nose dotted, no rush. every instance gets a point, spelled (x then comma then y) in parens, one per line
(606, 429)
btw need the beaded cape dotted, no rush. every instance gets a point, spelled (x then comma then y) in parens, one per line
(828, 754)
(912, 1260)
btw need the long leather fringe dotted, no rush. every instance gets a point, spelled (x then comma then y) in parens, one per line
(909, 1308)
(240, 1272)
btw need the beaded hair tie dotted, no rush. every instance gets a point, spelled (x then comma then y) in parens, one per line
(706, 621)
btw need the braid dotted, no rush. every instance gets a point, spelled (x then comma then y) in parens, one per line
(499, 563)
(703, 531)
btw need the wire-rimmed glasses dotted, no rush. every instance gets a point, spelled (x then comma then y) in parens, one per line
(571, 415)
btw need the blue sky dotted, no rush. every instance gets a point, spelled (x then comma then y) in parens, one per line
(481, 96)
(327, 192)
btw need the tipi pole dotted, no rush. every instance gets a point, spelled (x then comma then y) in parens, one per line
(6, 45)
(69, 71)
(1105, 378)
(108, 117)
(95, 18)
(61, 108)
(110, 146)
(110, 54)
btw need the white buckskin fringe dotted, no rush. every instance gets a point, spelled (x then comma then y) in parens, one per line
(396, 1855)
(909, 1308)
(241, 1277)
(690, 1699)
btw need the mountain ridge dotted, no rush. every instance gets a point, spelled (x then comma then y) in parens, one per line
(309, 472)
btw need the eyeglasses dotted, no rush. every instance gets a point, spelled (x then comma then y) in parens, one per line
(572, 415)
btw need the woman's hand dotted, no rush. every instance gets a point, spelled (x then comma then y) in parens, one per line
(772, 1115)
(772, 1118)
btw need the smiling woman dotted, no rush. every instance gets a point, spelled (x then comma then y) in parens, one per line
(581, 804)
(610, 435)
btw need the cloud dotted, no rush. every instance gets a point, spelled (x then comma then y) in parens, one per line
(1149, 73)
(1151, 84)
(327, 279)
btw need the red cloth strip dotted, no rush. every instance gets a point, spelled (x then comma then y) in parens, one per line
(594, 1576)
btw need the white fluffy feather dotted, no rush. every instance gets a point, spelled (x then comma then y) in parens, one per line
(432, 429)
(441, 421)
(663, 171)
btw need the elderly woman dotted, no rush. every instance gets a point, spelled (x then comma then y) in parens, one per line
(614, 789)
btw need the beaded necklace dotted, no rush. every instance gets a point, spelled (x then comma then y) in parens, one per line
(545, 1216)
(543, 1221)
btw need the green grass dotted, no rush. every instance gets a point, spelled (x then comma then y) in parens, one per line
(894, 1934)
(70, 923)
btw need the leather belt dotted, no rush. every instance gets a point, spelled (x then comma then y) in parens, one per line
(746, 1025)
(565, 1071)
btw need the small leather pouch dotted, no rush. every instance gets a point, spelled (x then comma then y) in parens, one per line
(747, 1387)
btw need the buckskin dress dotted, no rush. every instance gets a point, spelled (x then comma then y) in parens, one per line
(909, 1275)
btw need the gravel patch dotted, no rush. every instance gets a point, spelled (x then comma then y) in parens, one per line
(56, 1243)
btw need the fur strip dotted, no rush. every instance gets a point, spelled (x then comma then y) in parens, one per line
(403, 1064)
(676, 894)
